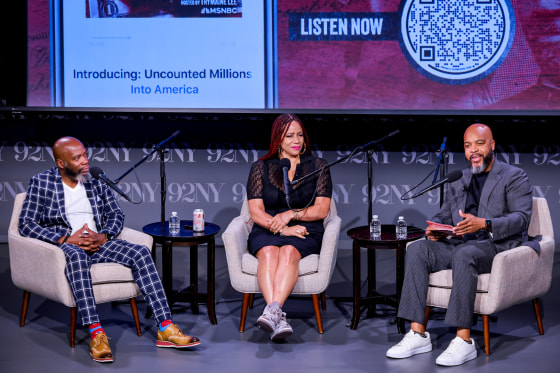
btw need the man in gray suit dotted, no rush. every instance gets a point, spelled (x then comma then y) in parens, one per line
(490, 210)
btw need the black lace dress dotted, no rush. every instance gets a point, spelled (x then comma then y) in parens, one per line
(266, 183)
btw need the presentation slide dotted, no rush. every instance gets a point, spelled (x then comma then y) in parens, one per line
(163, 54)
(349, 55)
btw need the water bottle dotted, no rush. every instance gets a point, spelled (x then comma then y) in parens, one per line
(174, 224)
(375, 228)
(401, 229)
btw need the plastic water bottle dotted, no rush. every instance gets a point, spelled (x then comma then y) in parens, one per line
(174, 224)
(401, 229)
(375, 228)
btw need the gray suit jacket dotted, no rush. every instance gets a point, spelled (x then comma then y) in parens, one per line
(506, 200)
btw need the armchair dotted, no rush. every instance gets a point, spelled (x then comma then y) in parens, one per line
(38, 267)
(518, 275)
(315, 271)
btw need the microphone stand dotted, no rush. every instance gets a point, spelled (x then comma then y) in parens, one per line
(163, 188)
(366, 148)
(442, 161)
(355, 151)
(370, 184)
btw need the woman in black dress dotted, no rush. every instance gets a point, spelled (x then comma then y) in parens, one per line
(285, 230)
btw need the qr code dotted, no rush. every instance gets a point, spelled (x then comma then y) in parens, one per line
(457, 41)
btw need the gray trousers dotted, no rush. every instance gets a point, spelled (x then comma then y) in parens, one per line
(466, 259)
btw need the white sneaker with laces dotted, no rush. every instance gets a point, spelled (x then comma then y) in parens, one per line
(282, 330)
(269, 318)
(458, 352)
(411, 344)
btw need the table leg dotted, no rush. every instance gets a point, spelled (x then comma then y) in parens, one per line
(194, 278)
(372, 281)
(210, 296)
(356, 271)
(167, 269)
(400, 279)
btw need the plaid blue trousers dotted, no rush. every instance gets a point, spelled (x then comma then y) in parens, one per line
(137, 257)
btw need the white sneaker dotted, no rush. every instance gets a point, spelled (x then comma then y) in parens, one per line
(458, 352)
(282, 330)
(269, 318)
(411, 344)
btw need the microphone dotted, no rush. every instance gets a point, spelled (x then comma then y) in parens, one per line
(285, 165)
(441, 150)
(162, 143)
(453, 176)
(98, 174)
(443, 144)
(372, 143)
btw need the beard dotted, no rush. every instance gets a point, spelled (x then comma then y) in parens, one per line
(78, 176)
(486, 160)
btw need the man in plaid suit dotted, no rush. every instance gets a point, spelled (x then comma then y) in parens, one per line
(65, 207)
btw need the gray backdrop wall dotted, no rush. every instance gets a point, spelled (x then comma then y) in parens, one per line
(208, 163)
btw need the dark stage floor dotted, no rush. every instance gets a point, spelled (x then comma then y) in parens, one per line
(42, 345)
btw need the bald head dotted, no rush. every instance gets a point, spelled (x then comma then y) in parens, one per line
(71, 159)
(480, 129)
(63, 145)
(479, 147)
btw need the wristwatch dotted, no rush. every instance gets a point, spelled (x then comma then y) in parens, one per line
(489, 228)
(489, 225)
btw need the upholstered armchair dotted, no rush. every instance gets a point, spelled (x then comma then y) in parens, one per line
(315, 271)
(38, 267)
(518, 275)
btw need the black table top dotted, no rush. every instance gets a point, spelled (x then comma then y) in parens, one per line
(158, 232)
(388, 233)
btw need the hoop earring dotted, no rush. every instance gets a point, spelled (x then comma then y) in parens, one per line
(304, 148)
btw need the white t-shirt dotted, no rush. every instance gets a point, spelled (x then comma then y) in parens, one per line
(78, 208)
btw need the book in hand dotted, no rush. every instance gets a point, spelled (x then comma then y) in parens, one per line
(443, 229)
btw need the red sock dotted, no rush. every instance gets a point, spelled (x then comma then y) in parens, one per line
(95, 329)
(163, 325)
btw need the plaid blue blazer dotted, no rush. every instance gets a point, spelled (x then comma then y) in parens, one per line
(43, 215)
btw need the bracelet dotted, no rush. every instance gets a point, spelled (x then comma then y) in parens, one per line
(296, 216)
(64, 240)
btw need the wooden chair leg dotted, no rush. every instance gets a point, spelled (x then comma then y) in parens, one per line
(427, 316)
(251, 300)
(315, 299)
(323, 301)
(73, 316)
(244, 306)
(24, 306)
(486, 330)
(134, 308)
(538, 315)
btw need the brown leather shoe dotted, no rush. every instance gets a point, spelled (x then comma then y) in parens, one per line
(99, 349)
(174, 337)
